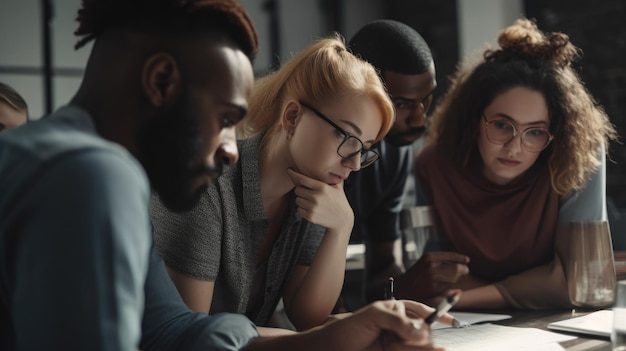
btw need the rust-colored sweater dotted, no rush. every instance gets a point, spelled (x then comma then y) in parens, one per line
(508, 231)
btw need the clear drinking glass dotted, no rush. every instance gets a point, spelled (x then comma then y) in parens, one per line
(618, 332)
(589, 264)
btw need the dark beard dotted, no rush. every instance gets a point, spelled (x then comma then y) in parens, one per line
(168, 145)
(399, 139)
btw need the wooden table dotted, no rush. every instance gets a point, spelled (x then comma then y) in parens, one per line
(541, 319)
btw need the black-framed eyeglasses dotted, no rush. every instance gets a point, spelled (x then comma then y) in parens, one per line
(502, 131)
(351, 145)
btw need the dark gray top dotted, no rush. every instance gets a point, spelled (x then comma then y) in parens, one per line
(376, 194)
(220, 239)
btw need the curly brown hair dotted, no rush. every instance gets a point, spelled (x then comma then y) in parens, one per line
(541, 62)
(168, 17)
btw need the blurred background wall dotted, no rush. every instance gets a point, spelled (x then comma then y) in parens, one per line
(37, 56)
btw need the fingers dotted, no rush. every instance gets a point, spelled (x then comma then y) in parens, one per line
(300, 180)
(429, 277)
(420, 310)
(444, 268)
(447, 319)
(449, 273)
(415, 309)
(305, 199)
(411, 330)
(383, 324)
(403, 347)
(445, 256)
(392, 343)
(305, 189)
(323, 204)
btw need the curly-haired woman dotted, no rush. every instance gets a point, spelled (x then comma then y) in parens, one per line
(516, 146)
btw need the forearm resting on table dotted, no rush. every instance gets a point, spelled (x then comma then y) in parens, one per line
(540, 287)
(520, 291)
(484, 297)
(313, 291)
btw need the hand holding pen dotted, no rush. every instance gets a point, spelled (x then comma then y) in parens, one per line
(424, 340)
(440, 310)
(418, 311)
(443, 307)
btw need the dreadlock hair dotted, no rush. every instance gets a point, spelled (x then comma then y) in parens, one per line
(168, 17)
(388, 44)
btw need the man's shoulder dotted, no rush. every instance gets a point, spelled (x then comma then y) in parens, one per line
(389, 172)
(392, 159)
(30, 150)
(66, 130)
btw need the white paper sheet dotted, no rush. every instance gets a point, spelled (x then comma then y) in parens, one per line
(596, 323)
(487, 337)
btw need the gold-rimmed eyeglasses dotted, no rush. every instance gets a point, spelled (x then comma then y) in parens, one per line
(501, 131)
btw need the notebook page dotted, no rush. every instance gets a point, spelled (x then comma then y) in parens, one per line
(486, 337)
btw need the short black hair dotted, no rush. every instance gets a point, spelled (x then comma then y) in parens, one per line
(389, 44)
(168, 16)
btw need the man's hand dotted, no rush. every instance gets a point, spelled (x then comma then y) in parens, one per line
(385, 325)
(432, 275)
(393, 323)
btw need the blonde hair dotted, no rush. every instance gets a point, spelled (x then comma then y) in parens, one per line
(541, 62)
(323, 71)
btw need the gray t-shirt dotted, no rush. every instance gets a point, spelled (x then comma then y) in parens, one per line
(220, 239)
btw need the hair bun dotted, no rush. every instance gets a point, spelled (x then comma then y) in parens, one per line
(524, 40)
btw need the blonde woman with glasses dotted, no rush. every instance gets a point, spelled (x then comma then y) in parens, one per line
(277, 223)
(516, 146)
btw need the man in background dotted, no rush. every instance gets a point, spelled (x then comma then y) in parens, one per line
(376, 193)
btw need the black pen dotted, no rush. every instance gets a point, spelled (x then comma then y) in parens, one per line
(444, 307)
(389, 290)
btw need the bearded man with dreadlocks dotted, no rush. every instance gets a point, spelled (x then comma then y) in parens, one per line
(164, 87)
